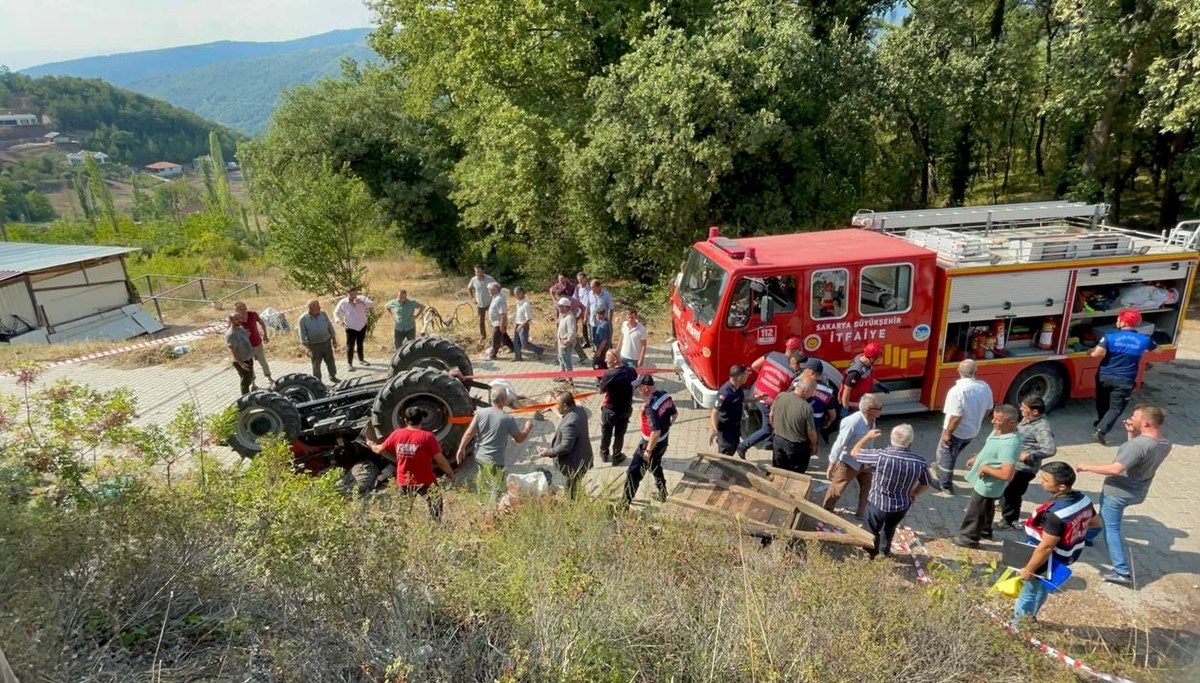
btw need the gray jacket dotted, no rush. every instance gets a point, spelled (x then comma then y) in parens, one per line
(1037, 439)
(316, 330)
(572, 446)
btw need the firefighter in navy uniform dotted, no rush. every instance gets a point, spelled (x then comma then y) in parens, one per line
(658, 414)
(1058, 528)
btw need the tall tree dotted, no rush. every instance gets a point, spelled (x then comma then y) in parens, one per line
(99, 192)
(324, 221)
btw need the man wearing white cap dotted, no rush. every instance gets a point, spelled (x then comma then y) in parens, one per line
(566, 334)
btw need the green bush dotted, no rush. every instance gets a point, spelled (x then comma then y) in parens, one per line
(253, 572)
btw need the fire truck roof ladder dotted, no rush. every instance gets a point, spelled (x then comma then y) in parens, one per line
(979, 217)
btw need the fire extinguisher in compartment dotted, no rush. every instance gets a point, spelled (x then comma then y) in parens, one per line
(1048, 338)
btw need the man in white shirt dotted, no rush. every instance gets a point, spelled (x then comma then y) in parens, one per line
(351, 313)
(477, 287)
(498, 317)
(524, 314)
(583, 298)
(967, 404)
(566, 334)
(633, 340)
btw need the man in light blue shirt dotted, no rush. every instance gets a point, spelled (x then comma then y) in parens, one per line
(599, 300)
(843, 466)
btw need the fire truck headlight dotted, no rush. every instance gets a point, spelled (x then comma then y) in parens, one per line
(706, 352)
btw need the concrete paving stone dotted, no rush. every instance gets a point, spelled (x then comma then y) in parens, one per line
(1162, 531)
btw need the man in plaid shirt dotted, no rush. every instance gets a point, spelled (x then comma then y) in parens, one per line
(901, 474)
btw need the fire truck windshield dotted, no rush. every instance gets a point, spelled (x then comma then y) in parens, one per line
(703, 284)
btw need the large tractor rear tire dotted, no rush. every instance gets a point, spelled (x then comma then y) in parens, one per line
(361, 478)
(440, 395)
(432, 352)
(299, 387)
(262, 415)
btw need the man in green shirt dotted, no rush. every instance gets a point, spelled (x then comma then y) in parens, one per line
(990, 473)
(406, 311)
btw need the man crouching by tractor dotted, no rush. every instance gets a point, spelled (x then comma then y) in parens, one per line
(415, 451)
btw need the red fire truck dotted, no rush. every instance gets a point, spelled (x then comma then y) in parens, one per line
(1026, 289)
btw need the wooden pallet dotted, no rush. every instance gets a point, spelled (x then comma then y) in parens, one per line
(765, 500)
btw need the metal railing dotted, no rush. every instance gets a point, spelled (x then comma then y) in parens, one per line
(178, 285)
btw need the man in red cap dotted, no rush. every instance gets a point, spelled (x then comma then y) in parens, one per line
(856, 382)
(1121, 356)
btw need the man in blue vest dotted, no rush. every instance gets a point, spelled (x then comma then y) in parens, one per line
(1121, 355)
(1058, 528)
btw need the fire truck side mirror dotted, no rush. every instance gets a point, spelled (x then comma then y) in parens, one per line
(766, 309)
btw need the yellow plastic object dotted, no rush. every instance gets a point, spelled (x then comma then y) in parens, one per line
(1009, 584)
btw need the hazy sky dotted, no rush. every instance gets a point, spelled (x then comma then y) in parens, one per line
(39, 31)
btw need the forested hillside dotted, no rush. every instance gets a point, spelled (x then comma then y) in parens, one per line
(130, 67)
(242, 94)
(539, 136)
(131, 128)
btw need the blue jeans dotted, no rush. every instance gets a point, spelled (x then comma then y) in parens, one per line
(1112, 512)
(763, 433)
(521, 341)
(629, 362)
(564, 357)
(1033, 596)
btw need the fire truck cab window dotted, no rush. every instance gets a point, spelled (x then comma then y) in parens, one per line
(885, 289)
(739, 305)
(702, 286)
(829, 293)
(748, 294)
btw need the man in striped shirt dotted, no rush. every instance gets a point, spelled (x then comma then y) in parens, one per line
(901, 474)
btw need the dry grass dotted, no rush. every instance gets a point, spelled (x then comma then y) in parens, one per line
(260, 575)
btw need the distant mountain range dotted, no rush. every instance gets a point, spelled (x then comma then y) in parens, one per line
(233, 83)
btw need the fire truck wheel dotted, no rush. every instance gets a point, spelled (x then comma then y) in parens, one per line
(1047, 380)
(432, 352)
(299, 387)
(440, 395)
(261, 415)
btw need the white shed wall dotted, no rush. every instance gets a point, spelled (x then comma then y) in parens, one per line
(15, 301)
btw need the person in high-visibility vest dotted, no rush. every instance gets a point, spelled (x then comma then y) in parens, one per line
(773, 374)
(856, 381)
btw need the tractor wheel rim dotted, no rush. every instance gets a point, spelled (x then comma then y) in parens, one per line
(298, 392)
(437, 411)
(257, 423)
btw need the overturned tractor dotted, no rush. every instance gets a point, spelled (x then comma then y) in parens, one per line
(328, 427)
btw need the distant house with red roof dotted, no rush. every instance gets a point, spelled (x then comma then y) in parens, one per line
(165, 169)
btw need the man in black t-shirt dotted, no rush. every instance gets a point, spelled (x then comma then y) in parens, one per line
(617, 386)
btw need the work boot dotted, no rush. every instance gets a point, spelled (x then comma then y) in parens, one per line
(662, 494)
(604, 457)
(1100, 438)
(617, 459)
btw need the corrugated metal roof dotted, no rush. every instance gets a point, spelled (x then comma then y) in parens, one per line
(7, 274)
(23, 257)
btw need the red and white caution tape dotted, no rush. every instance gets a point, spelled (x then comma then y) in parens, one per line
(182, 336)
(914, 543)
